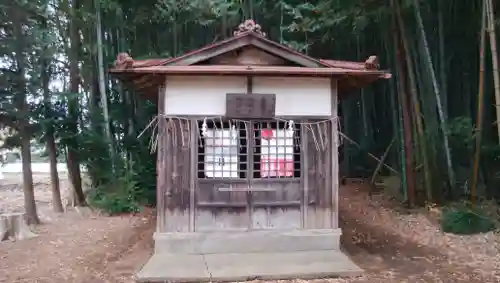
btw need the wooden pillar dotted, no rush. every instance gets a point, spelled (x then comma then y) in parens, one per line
(161, 170)
(193, 170)
(174, 180)
(304, 175)
(250, 161)
(334, 142)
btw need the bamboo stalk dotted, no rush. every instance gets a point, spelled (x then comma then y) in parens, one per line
(480, 107)
(363, 98)
(398, 104)
(102, 84)
(430, 67)
(417, 113)
(442, 59)
(405, 107)
(494, 57)
(395, 113)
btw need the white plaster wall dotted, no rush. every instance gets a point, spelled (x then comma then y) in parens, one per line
(297, 96)
(197, 95)
(206, 95)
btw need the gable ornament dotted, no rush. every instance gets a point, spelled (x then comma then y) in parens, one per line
(249, 25)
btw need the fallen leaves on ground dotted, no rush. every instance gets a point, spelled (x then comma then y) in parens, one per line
(390, 246)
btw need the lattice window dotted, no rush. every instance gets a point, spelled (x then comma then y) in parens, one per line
(222, 152)
(251, 149)
(276, 150)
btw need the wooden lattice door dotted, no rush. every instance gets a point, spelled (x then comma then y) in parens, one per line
(222, 199)
(275, 183)
(248, 176)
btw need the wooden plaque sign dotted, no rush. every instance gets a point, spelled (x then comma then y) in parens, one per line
(250, 105)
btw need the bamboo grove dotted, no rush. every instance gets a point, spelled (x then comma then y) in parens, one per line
(434, 124)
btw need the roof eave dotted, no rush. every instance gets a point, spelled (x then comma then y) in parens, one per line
(325, 72)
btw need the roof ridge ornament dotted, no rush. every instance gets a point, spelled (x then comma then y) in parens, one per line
(249, 25)
(372, 63)
(124, 61)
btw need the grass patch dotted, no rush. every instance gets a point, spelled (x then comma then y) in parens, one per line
(466, 221)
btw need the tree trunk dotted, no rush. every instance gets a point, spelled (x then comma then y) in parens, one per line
(54, 174)
(23, 120)
(94, 97)
(28, 188)
(50, 144)
(102, 83)
(73, 159)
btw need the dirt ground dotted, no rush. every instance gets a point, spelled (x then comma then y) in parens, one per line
(391, 246)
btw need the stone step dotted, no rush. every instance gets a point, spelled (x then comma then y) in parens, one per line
(248, 266)
(247, 241)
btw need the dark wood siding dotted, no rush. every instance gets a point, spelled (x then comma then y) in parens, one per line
(176, 175)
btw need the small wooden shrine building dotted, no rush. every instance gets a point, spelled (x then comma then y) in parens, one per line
(247, 159)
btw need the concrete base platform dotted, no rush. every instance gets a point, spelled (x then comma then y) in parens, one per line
(164, 267)
(257, 241)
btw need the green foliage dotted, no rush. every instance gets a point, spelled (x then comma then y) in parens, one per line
(117, 196)
(125, 190)
(461, 133)
(144, 168)
(466, 221)
(340, 29)
(124, 180)
(120, 185)
(462, 142)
